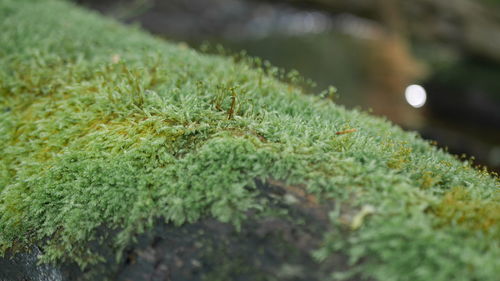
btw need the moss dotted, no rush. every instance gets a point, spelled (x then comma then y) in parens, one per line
(104, 125)
(458, 206)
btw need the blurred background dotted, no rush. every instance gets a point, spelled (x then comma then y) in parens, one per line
(431, 66)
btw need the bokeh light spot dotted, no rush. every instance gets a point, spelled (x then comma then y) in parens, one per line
(415, 95)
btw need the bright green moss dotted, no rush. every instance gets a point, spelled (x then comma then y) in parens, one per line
(103, 125)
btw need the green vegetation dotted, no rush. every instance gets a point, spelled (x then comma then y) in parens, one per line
(103, 125)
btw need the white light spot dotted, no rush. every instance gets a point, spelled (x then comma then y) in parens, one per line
(415, 95)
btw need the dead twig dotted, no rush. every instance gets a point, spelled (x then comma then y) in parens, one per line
(230, 112)
(346, 132)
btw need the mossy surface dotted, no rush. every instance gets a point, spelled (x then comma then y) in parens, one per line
(104, 125)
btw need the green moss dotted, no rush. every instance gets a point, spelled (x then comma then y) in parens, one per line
(104, 125)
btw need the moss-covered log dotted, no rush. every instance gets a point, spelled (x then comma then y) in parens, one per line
(127, 157)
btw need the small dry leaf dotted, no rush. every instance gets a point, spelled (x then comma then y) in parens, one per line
(115, 58)
(346, 132)
(357, 221)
